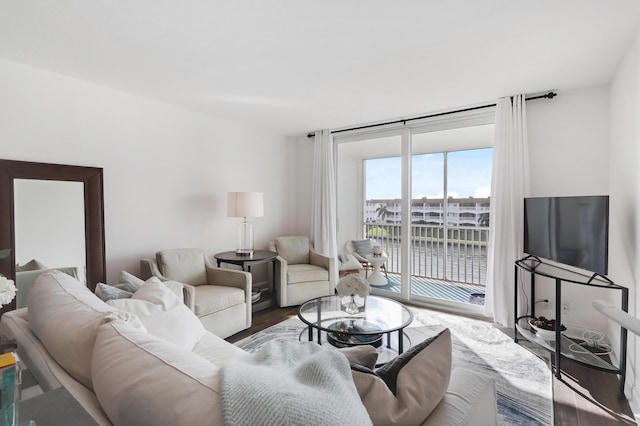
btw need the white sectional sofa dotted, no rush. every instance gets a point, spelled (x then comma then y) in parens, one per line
(123, 373)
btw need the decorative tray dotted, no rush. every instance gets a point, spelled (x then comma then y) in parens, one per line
(545, 328)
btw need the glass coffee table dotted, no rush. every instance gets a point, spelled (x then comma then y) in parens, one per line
(376, 320)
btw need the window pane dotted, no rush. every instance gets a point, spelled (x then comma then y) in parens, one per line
(469, 173)
(427, 215)
(469, 187)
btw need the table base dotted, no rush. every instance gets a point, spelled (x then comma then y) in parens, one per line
(387, 350)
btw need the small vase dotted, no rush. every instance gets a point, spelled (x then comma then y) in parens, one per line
(352, 306)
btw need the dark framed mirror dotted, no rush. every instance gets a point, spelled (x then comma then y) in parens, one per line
(92, 190)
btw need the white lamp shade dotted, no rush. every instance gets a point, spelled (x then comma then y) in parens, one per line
(245, 204)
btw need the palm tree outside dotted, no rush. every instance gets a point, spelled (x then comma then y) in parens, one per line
(382, 212)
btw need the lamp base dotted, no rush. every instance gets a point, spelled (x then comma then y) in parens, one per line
(245, 239)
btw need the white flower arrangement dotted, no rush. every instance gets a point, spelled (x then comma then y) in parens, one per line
(7, 291)
(353, 284)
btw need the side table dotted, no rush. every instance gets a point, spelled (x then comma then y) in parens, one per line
(56, 407)
(265, 298)
(377, 279)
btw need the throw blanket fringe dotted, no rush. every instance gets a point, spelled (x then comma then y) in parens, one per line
(291, 383)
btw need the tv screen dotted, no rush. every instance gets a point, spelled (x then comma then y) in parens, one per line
(569, 230)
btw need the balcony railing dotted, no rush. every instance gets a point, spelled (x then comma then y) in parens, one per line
(460, 255)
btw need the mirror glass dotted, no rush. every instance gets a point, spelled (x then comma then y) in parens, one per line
(49, 222)
(49, 231)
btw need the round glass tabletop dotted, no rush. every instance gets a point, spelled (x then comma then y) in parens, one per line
(375, 315)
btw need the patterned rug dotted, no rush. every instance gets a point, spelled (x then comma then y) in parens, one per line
(523, 380)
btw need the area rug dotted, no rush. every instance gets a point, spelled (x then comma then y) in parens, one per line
(523, 380)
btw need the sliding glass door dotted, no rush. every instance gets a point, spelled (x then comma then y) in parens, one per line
(423, 196)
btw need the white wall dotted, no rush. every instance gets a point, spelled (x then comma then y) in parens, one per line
(624, 157)
(167, 170)
(569, 155)
(568, 143)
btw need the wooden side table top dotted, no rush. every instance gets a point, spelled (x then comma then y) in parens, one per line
(258, 256)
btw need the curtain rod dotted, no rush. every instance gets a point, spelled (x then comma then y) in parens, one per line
(549, 95)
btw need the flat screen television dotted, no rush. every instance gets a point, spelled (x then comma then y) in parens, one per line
(569, 230)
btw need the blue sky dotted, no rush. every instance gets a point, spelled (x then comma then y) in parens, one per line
(469, 175)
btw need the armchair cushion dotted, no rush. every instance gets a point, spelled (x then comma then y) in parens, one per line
(183, 265)
(295, 250)
(303, 273)
(213, 298)
(363, 247)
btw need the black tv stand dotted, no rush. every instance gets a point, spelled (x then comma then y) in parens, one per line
(538, 267)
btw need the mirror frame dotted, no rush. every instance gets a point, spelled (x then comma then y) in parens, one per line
(93, 211)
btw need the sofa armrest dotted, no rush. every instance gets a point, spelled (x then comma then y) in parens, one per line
(328, 263)
(229, 278)
(319, 260)
(280, 284)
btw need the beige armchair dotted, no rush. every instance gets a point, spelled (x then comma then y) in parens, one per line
(221, 298)
(301, 274)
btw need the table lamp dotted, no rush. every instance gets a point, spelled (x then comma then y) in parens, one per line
(244, 205)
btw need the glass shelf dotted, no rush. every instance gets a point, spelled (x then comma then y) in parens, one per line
(532, 264)
(576, 352)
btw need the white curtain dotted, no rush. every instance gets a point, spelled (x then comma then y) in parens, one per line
(509, 187)
(323, 213)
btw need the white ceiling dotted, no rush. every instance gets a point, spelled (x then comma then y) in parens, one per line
(300, 65)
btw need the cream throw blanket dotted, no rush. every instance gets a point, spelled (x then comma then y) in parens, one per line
(291, 383)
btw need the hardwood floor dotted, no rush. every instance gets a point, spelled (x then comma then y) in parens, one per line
(583, 397)
(264, 319)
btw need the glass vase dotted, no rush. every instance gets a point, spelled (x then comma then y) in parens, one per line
(352, 307)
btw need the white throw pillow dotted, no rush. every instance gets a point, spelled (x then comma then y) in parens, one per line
(140, 379)
(163, 314)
